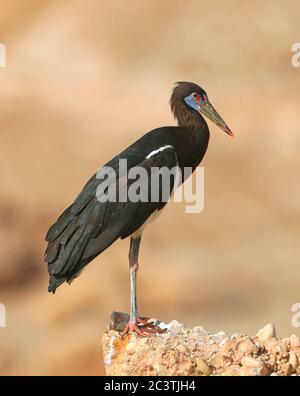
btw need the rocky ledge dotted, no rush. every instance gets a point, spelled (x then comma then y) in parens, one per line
(194, 351)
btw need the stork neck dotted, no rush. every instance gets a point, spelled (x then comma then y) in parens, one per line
(189, 118)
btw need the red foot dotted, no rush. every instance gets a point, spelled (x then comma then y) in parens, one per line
(143, 327)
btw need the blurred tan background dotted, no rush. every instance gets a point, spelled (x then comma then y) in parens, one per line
(84, 79)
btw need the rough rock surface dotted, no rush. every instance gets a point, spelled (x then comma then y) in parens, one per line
(185, 351)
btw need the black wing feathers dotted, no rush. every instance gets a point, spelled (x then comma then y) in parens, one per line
(88, 227)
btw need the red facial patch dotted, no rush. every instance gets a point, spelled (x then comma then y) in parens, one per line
(197, 97)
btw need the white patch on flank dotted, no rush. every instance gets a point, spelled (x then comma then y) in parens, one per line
(159, 150)
(108, 359)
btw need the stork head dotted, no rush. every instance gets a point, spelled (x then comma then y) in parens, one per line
(194, 97)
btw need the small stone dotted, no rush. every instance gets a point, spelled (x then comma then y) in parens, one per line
(181, 348)
(267, 332)
(162, 370)
(142, 347)
(295, 341)
(186, 366)
(175, 323)
(118, 321)
(199, 329)
(174, 326)
(218, 360)
(246, 347)
(248, 372)
(220, 334)
(232, 371)
(293, 360)
(203, 366)
(250, 362)
(130, 348)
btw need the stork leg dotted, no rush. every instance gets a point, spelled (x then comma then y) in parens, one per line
(140, 325)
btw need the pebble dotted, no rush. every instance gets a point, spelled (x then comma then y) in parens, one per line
(161, 369)
(174, 326)
(175, 323)
(203, 366)
(295, 341)
(233, 371)
(251, 362)
(131, 348)
(250, 372)
(221, 334)
(293, 360)
(246, 347)
(181, 348)
(266, 333)
(199, 329)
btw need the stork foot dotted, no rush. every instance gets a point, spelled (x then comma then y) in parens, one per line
(143, 327)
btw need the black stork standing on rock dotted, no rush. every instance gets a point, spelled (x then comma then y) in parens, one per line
(89, 226)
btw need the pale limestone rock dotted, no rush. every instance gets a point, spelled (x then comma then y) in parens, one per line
(131, 348)
(293, 360)
(295, 341)
(247, 347)
(194, 351)
(266, 333)
(181, 348)
(202, 366)
(251, 362)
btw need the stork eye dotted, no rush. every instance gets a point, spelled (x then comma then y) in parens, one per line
(196, 96)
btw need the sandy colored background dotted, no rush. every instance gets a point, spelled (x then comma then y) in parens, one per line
(84, 79)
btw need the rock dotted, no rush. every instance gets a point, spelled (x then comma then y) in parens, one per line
(221, 334)
(293, 360)
(202, 366)
(131, 348)
(249, 372)
(295, 341)
(118, 321)
(247, 347)
(218, 360)
(181, 348)
(232, 371)
(266, 333)
(251, 362)
(199, 329)
(194, 351)
(161, 370)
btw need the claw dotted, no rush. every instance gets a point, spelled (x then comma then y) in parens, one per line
(143, 327)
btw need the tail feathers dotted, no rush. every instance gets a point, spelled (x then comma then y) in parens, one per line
(66, 261)
(54, 282)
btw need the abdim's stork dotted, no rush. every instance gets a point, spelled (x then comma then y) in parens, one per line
(89, 226)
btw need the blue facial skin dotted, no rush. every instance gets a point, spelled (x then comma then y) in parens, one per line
(190, 101)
